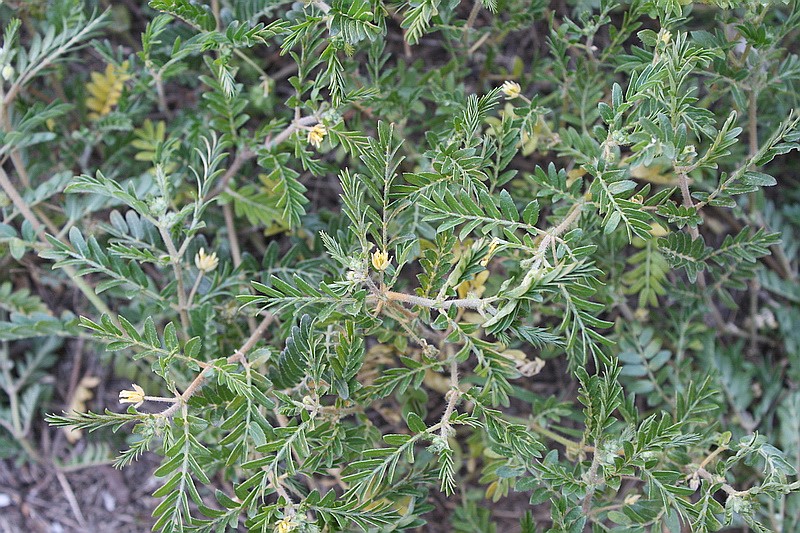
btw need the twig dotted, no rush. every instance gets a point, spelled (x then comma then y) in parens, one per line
(238, 356)
(290, 129)
(473, 15)
(73, 502)
(195, 286)
(570, 445)
(241, 157)
(278, 486)
(216, 12)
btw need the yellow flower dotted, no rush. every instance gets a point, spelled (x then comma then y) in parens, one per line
(511, 89)
(205, 262)
(135, 396)
(286, 525)
(665, 36)
(316, 135)
(381, 260)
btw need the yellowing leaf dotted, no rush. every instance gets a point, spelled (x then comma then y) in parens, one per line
(83, 393)
(105, 89)
(475, 286)
(654, 174)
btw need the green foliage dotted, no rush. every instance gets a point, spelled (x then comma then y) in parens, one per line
(360, 283)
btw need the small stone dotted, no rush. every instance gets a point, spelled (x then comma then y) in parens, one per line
(109, 502)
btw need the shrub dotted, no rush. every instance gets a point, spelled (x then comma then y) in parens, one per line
(360, 253)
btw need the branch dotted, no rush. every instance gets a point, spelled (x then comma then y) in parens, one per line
(470, 303)
(238, 356)
(290, 129)
(728, 489)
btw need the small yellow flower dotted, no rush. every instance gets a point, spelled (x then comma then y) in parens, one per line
(511, 89)
(316, 135)
(205, 262)
(381, 260)
(135, 396)
(286, 525)
(665, 36)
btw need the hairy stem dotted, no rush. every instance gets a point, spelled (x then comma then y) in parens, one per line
(176, 261)
(471, 303)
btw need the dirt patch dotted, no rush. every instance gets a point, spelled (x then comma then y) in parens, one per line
(46, 499)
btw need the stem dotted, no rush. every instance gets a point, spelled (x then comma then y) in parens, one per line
(754, 285)
(478, 303)
(752, 122)
(551, 236)
(193, 291)
(16, 157)
(160, 399)
(711, 456)
(591, 480)
(473, 15)
(572, 216)
(600, 510)
(21, 204)
(278, 486)
(453, 395)
(752, 136)
(322, 6)
(161, 94)
(175, 259)
(236, 253)
(241, 157)
(215, 10)
(70, 495)
(262, 73)
(694, 232)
